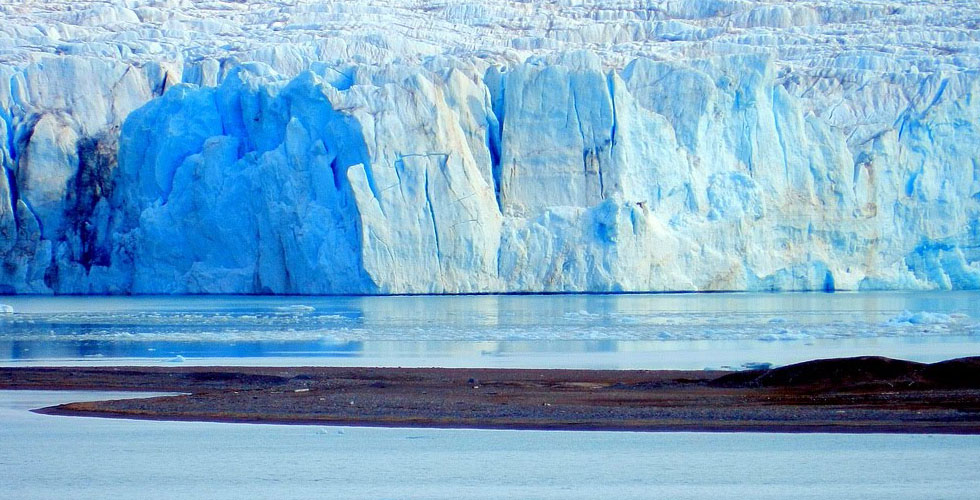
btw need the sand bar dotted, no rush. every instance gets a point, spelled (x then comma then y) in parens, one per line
(855, 395)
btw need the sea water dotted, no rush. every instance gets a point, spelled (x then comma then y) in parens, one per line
(654, 331)
(54, 457)
(73, 457)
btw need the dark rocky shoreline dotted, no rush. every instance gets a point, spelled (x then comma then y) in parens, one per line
(854, 395)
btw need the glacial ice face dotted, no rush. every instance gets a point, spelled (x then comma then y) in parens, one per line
(475, 148)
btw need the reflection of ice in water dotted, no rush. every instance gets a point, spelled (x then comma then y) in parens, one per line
(470, 318)
(497, 326)
(51, 457)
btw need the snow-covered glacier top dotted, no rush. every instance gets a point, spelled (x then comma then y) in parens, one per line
(869, 35)
(413, 146)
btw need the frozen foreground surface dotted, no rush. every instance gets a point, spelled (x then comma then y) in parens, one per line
(664, 331)
(51, 457)
(244, 147)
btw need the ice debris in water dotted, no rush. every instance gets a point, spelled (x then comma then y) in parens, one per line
(6, 309)
(923, 318)
(296, 309)
(784, 334)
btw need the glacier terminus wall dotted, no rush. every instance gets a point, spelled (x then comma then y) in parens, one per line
(470, 146)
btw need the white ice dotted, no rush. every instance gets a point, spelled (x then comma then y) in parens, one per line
(406, 147)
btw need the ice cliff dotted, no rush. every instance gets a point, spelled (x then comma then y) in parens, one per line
(456, 147)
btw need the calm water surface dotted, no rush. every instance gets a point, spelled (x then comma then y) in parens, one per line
(588, 331)
(55, 457)
(71, 457)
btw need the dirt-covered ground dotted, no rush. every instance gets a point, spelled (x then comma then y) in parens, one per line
(867, 394)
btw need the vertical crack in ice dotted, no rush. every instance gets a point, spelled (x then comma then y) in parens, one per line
(432, 215)
(610, 84)
(32, 213)
(163, 85)
(12, 186)
(335, 170)
(15, 92)
(286, 276)
(257, 266)
(8, 118)
(588, 152)
(498, 107)
(398, 166)
(602, 187)
(937, 97)
(21, 143)
(779, 131)
(494, 136)
(8, 161)
(578, 116)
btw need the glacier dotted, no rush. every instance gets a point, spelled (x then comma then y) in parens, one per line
(360, 147)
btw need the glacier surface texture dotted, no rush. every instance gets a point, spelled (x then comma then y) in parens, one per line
(169, 146)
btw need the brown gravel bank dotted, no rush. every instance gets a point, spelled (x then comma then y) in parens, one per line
(866, 394)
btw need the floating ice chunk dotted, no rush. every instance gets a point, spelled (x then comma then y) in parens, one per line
(581, 315)
(297, 309)
(177, 359)
(922, 318)
(6, 309)
(784, 334)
